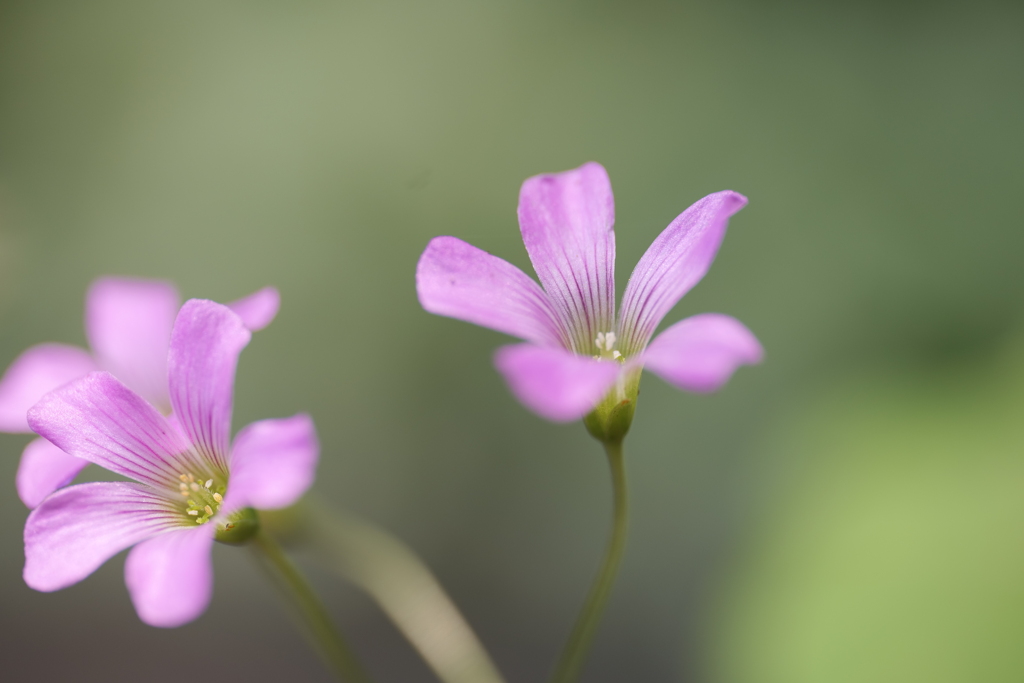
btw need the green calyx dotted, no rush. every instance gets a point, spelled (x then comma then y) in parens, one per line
(611, 419)
(239, 527)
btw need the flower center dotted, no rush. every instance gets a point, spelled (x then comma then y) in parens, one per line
(204, 497)
(606, 350)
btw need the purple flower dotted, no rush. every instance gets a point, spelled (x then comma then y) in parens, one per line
(579, 357)
(128, 324)
(191, 485)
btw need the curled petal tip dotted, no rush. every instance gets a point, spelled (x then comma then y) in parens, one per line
(701, 353)
(258, 309)
(555, 383)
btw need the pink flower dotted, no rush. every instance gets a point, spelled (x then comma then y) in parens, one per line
(128, 324)
(190, 485)
(579, 357)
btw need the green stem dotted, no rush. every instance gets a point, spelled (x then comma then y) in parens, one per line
(575, 651)
(401, 584)
(329, 641)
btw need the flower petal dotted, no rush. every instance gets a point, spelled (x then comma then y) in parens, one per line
(99, 419)
(38, 370)
(44, 468)
(170, 576)
(701, 353)
(205, 345)
(566, 220)
(79, 528)
(458, 280)
(673, 264)
(273, 462)
(555, 383)
(258, 309)
(128, 322)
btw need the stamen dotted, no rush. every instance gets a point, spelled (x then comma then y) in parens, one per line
(204, 497)
(605, 343)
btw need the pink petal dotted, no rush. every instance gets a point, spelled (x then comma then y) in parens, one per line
(673, 264)
(566, 220)
(205, 345)
(458, 280)
(79, 528)
(258, 309)
(99, 419)
(38, 370)
(701, 353)
(44, 468)
(128, 322)
(170, 576)
(273, 462)
(554, 383)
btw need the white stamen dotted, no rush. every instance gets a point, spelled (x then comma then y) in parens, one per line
(194, 486)
(605, 341)
(616, 355)
(194, 513)
(208, 483)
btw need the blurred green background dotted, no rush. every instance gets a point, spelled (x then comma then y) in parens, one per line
(851, 510)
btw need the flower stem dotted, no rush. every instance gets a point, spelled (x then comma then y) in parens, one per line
(575, 651)
(318, 626)
(401, 584)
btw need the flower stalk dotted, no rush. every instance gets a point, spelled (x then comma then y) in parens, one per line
(401, 584)
(576, 648)
(327, 640)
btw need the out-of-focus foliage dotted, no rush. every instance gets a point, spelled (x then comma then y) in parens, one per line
(895, 554)
(317, 146)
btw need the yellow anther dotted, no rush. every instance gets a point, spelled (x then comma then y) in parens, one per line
(182, 477)
(219, 498)
(191, 478)
(209, 510)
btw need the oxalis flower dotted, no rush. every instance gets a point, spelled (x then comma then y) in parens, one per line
(128, 323)
(581, 359)
(191, 484)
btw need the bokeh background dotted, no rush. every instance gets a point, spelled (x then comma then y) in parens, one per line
(851, 510)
